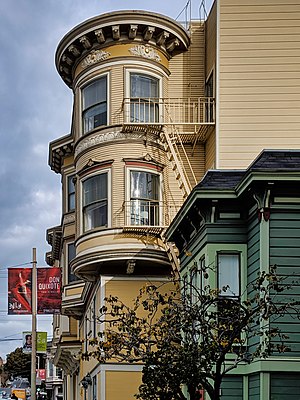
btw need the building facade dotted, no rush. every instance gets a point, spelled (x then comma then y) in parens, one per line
(155, 106)
(245, 221)
(135, 151)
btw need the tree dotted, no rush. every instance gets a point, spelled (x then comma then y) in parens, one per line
(18, 363)
(189, 339)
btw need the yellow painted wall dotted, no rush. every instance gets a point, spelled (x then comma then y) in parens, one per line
(187, 69)
(128, 290)
(121, 385)
(210, 41)
(259, 78)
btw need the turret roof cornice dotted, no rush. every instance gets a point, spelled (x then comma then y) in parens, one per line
(124, 26)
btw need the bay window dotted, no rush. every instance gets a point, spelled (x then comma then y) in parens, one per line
(94, 104)
(95, 201)
(144, 198)
(144, 94)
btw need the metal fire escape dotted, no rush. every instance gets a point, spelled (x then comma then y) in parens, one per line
(177, 121)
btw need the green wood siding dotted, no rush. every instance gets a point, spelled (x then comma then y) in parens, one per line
(229, 232)
(253, 248)
(285, 238)
(285, 253)
(232, 388)
(253, 252)
(285, 386)
(254, 387)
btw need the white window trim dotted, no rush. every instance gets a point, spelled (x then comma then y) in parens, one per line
(109, 197)
(128, 194)
(143, 71)
(228, 293)
(85, 84)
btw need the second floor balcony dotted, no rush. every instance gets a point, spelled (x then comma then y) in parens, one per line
(189, 113)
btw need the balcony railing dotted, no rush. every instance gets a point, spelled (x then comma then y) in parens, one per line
(162, 111)
(147, 213)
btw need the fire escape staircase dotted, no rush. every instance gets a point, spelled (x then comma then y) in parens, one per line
(190, 116)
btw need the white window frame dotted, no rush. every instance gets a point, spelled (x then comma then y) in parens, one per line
(82, 87)
(146, 72)
(153, 171)
(194, 283)
(222, 283)
(98, 172)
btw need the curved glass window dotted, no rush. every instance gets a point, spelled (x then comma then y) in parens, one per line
(94, 100)
(144, 94)
(95, 202)
(144, 198)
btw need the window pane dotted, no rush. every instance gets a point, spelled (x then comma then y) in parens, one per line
(94, 117)
(95, 216)
(143, 86)
(194, 286)
(144, 198)
(94, 93)
(95, 188)
(71, 255)
(144, 185)
(94, 100)
(71, 193)
(229, 274)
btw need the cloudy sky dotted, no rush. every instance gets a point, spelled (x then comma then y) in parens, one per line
(36, 109)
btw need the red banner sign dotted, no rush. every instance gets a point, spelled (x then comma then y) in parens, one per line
(41, 374)
(48, 290)
(19, 291)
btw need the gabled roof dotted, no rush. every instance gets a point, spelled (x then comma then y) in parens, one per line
(268, 160)
(220, 179)
(216, 184)
(277, 160)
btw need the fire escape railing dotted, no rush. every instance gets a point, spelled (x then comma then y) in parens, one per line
(169, 111)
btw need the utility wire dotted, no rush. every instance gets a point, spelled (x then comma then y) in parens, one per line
(15, 266)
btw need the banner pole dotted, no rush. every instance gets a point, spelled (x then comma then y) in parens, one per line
(33, 326)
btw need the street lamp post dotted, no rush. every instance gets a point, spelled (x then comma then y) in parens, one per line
(33, 328)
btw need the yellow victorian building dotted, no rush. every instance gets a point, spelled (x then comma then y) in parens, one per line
(155, 106)
(135, 150)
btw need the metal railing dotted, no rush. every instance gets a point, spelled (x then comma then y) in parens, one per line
(145, 213)
(169, 111)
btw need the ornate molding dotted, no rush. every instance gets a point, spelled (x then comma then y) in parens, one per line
(69, 219)
(94, 57)
(104, 137)
(145, 51)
